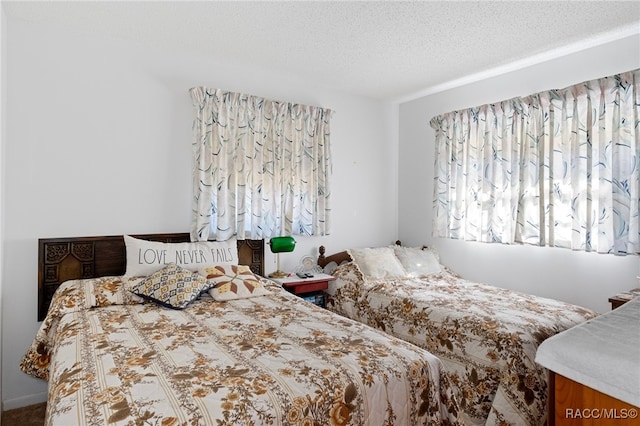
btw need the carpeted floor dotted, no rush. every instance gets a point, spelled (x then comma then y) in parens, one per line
(32, 415)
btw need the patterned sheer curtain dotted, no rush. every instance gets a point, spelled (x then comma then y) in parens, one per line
(261, 167)
(557, 168)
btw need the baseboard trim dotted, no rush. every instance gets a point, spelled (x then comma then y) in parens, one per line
(23, 401)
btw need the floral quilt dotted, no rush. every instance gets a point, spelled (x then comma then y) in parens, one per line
(486, 336)
(113, 358)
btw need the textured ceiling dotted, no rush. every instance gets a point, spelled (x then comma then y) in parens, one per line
(386, 50)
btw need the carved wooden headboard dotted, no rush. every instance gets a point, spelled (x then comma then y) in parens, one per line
(338, 258)
(62, 259)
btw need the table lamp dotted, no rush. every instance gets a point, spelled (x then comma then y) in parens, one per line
(281, 245)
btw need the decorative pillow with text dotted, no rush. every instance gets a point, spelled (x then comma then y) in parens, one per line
(146, 257)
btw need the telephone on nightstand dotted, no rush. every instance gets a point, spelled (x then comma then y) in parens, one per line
(304, 275)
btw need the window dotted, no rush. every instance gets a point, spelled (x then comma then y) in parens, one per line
(261, 167)
(557, 168)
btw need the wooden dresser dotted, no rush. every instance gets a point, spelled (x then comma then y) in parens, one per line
(594, 370)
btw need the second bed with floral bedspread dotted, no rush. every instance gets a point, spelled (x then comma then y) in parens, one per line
(486, 336)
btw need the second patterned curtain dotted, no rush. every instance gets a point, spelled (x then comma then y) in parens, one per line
(558, 168)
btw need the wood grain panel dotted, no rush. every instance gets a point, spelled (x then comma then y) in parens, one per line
(574, 404)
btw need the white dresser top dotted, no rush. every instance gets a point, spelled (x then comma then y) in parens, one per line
(602, 353)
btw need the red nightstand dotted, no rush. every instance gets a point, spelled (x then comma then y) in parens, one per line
(309, 289)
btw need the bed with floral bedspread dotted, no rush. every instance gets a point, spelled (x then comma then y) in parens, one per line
(111, 357)
(486, 336)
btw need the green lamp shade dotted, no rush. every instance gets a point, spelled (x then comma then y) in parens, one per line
(282, 244)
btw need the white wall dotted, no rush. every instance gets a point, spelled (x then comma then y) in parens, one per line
(2, 139)
(98, 142)
(587, 279)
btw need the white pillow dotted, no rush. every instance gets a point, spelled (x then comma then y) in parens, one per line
(417, 261)
(146, 257)
(377, 263)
